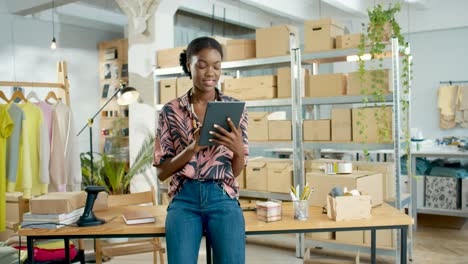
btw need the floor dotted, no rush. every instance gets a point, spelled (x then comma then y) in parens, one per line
(432, 245)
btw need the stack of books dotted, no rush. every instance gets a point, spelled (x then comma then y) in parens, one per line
(51, 221)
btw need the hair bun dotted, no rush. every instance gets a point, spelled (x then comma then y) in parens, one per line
(183, 62)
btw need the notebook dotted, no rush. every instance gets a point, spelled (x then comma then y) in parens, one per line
(133, 216)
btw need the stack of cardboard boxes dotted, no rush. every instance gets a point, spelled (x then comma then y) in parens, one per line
(269, 175)
(16, 206)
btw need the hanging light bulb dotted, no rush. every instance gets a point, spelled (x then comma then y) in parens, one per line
(53, 45)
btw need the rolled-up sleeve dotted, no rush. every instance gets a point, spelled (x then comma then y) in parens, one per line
(163, 145)
(245, 139)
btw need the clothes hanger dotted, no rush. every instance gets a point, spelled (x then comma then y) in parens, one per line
(18, 95)
(33, 95)
(3, 96)
(51, 95)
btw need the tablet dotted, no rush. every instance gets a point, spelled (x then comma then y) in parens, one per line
(217, 113)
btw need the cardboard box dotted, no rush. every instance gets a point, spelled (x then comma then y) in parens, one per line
(284, 81)
(240, 49)
(372, 129)
(280, 176)
(183, 85)
(317, 164)
(342, 208)
(258, 126)
(57, 202)
(256, 176)
(166, 58)
(319, 235)
(365, 181)
(274, 41)
(324, 85)
(341, 125)
(167, 90)
(251, 88)
(351, 237)
(348, 41)
(16, 206)
(388, 175)
(384, 238)
(316, 130)
(280, 130)
(319, 35)
(356, 87)
(10, 230)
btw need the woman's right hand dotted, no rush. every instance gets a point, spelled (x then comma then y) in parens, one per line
(196, 139)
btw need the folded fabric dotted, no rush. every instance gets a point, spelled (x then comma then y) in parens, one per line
(449, 172)
(8, 254)
(56, 244)
(44, 255)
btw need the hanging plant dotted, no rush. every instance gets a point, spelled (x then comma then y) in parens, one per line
(381, 27)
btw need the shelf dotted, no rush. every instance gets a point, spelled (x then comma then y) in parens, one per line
(282, 146)
(265, 195)
(448, 212)
(337, 55)
(405, 200)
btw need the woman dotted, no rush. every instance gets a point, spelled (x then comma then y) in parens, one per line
(203, 188)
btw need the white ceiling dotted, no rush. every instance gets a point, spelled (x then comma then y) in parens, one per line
(422, 15)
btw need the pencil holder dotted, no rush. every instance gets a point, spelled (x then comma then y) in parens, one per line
(301, 209)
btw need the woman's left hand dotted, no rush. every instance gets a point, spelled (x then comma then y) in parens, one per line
(231, 140)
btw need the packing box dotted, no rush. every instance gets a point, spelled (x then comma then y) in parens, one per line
(280, 176)
(352, 237)
(256, 175)
(183, 85)
(57, 202)
(365, 181)
(319, 35)
(319, 235)
(316, 130)
(284, 81)
(10, 230)
(356, 87)
(324, 85)
(348, 41)
(341, 125)
(317, 164)
(377, 130)
(258, 126)
(384, 238)
(279, 130)
(388, 175)
(16, 206)
(273, 41)
(167, 90)
(441, 192)
(349, 207)
(251, 88)
(169, 57)
(240, 49)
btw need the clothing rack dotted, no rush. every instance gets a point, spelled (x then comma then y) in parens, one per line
(62, 83)
(452, 82)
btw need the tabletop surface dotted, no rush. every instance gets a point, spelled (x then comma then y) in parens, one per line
(383, 215)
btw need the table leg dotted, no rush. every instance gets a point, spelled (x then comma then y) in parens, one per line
(208, 251)
(30, 246)
(67, 250)
(373, 245)
(404, 241)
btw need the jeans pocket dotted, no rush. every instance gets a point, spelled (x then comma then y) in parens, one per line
(220, 186)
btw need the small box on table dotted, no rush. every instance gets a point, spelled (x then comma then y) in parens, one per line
(349, 207)
(269, 211)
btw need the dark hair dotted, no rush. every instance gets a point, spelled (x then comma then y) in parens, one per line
(195, 47)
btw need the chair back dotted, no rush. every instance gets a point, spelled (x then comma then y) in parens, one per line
(132, 199)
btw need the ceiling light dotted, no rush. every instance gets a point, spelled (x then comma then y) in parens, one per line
(366, 56)
(53, 45)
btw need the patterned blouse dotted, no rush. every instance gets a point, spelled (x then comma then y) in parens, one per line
(173, 135)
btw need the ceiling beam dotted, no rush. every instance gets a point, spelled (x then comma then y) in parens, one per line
(24, 8)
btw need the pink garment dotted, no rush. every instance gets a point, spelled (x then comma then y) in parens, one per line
(44, 255)
(47, 111)
(174, 135)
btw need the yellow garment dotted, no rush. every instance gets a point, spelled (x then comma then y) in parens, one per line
(6, 128)
(447, 100)
(27, 180)
(57, 244)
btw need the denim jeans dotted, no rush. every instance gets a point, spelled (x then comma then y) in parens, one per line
(204, 206)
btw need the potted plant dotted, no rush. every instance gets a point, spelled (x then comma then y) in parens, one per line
(114, 174)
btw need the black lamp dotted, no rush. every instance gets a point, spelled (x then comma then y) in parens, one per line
(125, 96)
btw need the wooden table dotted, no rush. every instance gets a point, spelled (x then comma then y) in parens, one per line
(383, 217)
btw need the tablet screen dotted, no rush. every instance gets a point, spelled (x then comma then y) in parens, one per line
(217, 113)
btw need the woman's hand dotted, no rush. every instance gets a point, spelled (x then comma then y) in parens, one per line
(194, 147)
(232, 140)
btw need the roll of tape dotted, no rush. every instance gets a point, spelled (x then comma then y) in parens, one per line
(345, 167)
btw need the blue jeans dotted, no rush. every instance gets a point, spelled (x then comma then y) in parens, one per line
(204, 206)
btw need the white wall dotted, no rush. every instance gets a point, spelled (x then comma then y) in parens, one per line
(438, 56)
(31, 59)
